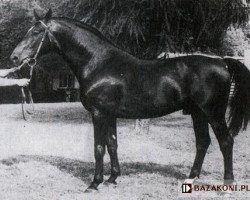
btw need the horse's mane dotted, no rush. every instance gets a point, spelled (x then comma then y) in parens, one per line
(86, 27)
(96, 32)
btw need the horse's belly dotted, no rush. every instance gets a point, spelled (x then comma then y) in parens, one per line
(145, 108)
(139, 113)
(134, 107)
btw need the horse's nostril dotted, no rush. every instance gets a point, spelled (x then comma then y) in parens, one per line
(14, 59)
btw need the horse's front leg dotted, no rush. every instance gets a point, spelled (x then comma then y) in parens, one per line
(111, 139)
(100, 130)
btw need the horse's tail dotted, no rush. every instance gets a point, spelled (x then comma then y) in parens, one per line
(239, 114)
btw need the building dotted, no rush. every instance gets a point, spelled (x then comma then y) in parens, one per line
(55, 87)
(53, 81)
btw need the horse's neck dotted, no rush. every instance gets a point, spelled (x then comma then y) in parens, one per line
(86, 52)
(82, 50)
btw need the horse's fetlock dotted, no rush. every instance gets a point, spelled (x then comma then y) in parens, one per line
(97, 180)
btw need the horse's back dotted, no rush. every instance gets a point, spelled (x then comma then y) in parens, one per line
(203, 80)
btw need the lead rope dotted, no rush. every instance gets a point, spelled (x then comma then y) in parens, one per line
(24, 99)
(32, 63)
(22, 90)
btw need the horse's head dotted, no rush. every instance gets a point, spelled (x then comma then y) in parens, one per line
(38, 40)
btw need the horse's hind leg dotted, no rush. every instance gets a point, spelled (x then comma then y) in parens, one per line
(111, 141)
(216, 113)
(203, 140)
(226, 146)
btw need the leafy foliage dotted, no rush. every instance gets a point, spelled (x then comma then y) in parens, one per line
(236, 41)
(142, 27)
(146, 27)
(17, 17)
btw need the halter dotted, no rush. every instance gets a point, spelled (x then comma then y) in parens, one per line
(31, 62)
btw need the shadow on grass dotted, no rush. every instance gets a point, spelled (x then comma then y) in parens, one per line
(85, 170)
(68, 114)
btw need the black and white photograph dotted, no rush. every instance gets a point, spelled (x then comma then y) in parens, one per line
(124, 99)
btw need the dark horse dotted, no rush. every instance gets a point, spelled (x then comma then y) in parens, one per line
(115, 84)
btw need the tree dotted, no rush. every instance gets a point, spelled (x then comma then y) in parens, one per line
(17, 17)
(142, 27)
(146, 27)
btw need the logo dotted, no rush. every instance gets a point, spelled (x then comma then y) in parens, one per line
(186, 188)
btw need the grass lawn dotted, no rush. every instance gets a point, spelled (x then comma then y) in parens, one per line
(51, 156)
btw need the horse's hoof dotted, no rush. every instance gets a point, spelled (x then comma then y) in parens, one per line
(190, 180)
(229, 182)
(91, 189)
(109, 182)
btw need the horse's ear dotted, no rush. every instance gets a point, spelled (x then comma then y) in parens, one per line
(37, 16)
(48, 14)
